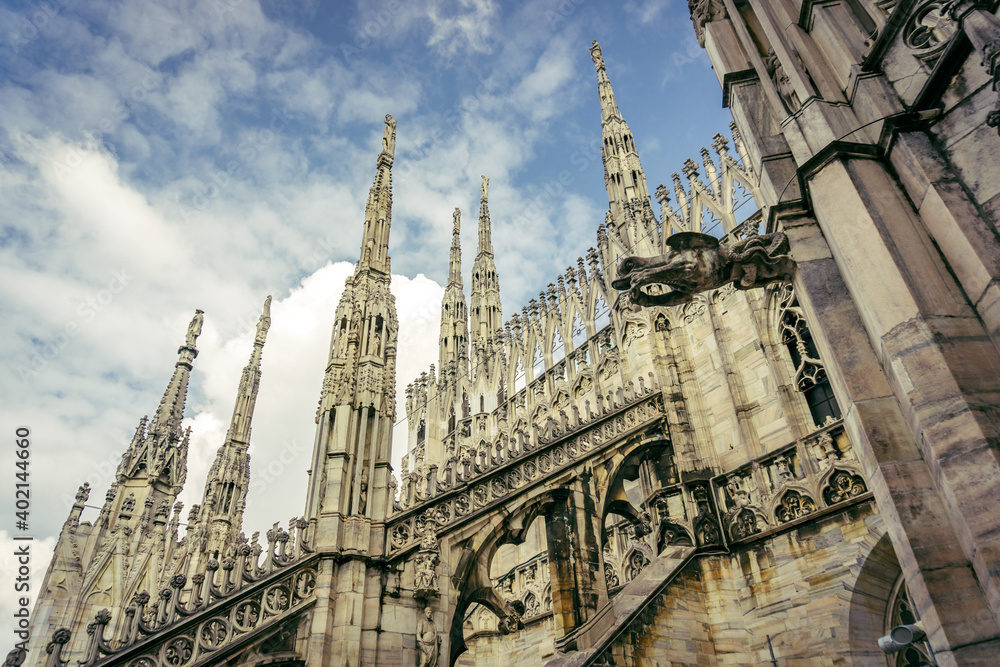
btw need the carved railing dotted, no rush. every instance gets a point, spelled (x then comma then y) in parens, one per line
(556, 446)
(813, 473)
(220, 591)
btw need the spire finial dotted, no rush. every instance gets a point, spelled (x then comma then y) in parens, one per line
(485, 188)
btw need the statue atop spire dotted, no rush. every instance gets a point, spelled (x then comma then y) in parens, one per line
(194, 329)
(485, 188)
(264, 323)
(378, 210)
(595, 54)
(389, 136)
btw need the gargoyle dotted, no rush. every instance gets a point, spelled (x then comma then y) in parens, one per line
(698, 262)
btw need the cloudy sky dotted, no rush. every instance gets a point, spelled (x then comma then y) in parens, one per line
(121, 120)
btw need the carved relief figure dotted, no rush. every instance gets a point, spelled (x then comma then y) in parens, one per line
(698, 262)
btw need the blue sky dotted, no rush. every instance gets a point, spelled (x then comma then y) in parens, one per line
(119, 219)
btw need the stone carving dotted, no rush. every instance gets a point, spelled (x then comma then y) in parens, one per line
(842, 486)
(264, 323)
(485, 187)
(983, 30)
(427, 640)
(595, 55)
(793, 505)
(425, 579)
(698, 262)
(194, 329)
(389, 136)
(83, 493)
(611, 576)
(706, 527)
(781, 82)
(828, 454)
(928, 30)
(704, 12)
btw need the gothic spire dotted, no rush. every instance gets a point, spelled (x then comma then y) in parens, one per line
(229, 478)
(246, 396)
(628, 195)
(378, 210)
(170, 412)
(357, 405)
(485, 242)
(486, 309)
(455, 255)
(609, 107)
(454, 339)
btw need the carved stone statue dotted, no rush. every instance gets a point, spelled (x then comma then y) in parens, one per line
(389, 135)
(703, 12)
(194, 329)
(485, 187)
(595, 55)
(424, 578)
(83, 493)
(264, 323)
(427, 640)
(698, 262)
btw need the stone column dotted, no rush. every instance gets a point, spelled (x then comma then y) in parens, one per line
(925, 534)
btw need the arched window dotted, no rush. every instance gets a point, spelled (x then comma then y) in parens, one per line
(810, 374)
(900, 611)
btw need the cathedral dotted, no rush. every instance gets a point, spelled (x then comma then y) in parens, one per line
(759, 424)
